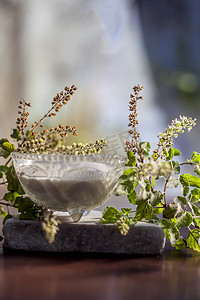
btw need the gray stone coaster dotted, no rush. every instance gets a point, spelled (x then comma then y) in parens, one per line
(86, 236)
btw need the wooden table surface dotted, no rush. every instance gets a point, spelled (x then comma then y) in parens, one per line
(172, 276)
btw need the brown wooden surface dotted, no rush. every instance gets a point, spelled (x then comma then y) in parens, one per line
(172, 276)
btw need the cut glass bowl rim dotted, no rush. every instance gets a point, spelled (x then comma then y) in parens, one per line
(57, 157)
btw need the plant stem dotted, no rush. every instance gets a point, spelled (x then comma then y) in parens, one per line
(7, 204)
(161, 151)
(8, 161)
(165, 188)
(185, 208)
(150, 181)
(187, 163)
(46, 115)
(2, 183)
(24, 110)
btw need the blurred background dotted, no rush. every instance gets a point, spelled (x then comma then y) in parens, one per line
(104, 47)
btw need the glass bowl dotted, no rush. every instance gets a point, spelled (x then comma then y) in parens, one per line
(70, 183)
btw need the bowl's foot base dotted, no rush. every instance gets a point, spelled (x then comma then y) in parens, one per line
(63, 216)
(76, 213)
(73, 215)
(76, 217)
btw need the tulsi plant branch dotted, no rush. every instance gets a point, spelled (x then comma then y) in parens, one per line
(29, 140)
(145, 170)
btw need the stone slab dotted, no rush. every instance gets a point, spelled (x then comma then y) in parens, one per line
(86, 236)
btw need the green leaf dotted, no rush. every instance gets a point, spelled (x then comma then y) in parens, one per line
(131, 159)
(193, 239)
(195, 157)
(143, 193)
(183, 179)
(184, 220)
(172, 210)
(131, 187)
(4, 153)
(180, 244)
(171, 153)
(174, 234)
(147, 186)
(13, 181)
(128, 174)
(11, 196)
(131, 221)
(153, 181)
(166, 155)
(132, 197)
(4, 169)
(164, 223)
(185, 190)
(128, 185)
(3, 141)
(174, 220)
(194, 195)
(2, 212)
(16, 135)
(135, 184)
(157, 211)
(196, 169)
(154, 156)
(176, 167)
(5, 215)
(176, 151)
(146, 147)
(196, 222)
(110, 215)
(156, 198)
(24, 204)
(143, 210)
(123, 177)
(185, 184)
(183, 200)
(166, 231)
(126, 210)
(30, 135)
(8, 147)
(8, 216)
(195, 210)
(193, 180)
(28, 132)
(27, 216)
(27, 208)
(152, 219)
(120, 190)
